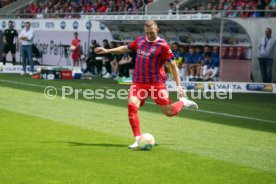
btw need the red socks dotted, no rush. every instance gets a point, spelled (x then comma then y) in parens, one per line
(134, 119)
(176, 107)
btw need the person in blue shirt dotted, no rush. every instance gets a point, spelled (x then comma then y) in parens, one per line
(191, 64)
(199, 59)
(182, 65)
(177, 58)
(211, 66)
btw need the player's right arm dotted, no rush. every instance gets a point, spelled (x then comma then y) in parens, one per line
(117, 50)
(4, 39)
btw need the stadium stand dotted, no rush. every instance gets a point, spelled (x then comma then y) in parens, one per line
(231, 9)
(5, 2)
(236, 42)
(76, 8)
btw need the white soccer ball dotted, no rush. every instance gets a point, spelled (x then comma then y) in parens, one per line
(72, 48)
(38, 70)
(146, 141)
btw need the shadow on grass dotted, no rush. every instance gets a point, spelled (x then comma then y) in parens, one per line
(104, 144)
(96, 144)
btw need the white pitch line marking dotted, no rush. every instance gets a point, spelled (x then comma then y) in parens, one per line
(199, 110)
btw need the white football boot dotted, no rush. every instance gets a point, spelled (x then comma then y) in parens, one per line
(188, 103)
(135, 145)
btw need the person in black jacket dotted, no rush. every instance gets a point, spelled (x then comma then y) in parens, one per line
(91, 59)
(10, 41)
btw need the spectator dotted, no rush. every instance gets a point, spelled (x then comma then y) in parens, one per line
(10, 40)
(266, 55)
(175, 3)
(240, 12)
(191, 64)
(102, 7)
(231, 14)
(207, 48)
(177, 57)
(210, 68)
(210, 7)
(126, 64)
(113, 62)
(117, 58)
(269, 13)
(91, 59)
(171, 9)
(193, 10)
(221, 12)
(182, 65)
(227, 4)
(218, 8)
(247, 14)
(107, 58)
(199, 61)
(140, 6)
(186, 10)
(111, 6)
(26, 37)
(129, 6)
(201, 8)
(257, 13)
(215, 10)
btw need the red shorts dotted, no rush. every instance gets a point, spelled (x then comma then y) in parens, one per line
(158, 92)
(75, 56)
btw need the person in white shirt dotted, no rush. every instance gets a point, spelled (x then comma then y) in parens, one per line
(266, 55)
(26, 37)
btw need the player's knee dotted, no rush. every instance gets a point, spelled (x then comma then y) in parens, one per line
(169, 114)
(134, 100)
(167, 110)
(132, 108)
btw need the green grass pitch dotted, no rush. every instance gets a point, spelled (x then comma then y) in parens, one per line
(68, 141)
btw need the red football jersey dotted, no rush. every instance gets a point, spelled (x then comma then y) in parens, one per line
(150, 60)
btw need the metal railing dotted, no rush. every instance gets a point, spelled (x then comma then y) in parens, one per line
(218, 13)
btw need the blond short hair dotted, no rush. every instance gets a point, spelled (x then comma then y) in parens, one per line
(150, 23)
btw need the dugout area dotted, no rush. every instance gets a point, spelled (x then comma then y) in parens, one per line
(234, 38)
(239, 43)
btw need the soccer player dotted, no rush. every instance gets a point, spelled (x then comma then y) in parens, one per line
(76, 53)
(149, 76)
(11, 43)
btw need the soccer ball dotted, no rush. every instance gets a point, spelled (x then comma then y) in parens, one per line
(38, 70)
(72, 48)
(146, 141)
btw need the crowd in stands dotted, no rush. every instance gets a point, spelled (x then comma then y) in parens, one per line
(75, 8)
(230, 8)
(195, 63)
(5, 2)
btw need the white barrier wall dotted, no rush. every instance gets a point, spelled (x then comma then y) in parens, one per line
(236, 87)
(50, 34)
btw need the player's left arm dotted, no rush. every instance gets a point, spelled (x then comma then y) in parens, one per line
(176, 76)
(118, 50)
(169, 57)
